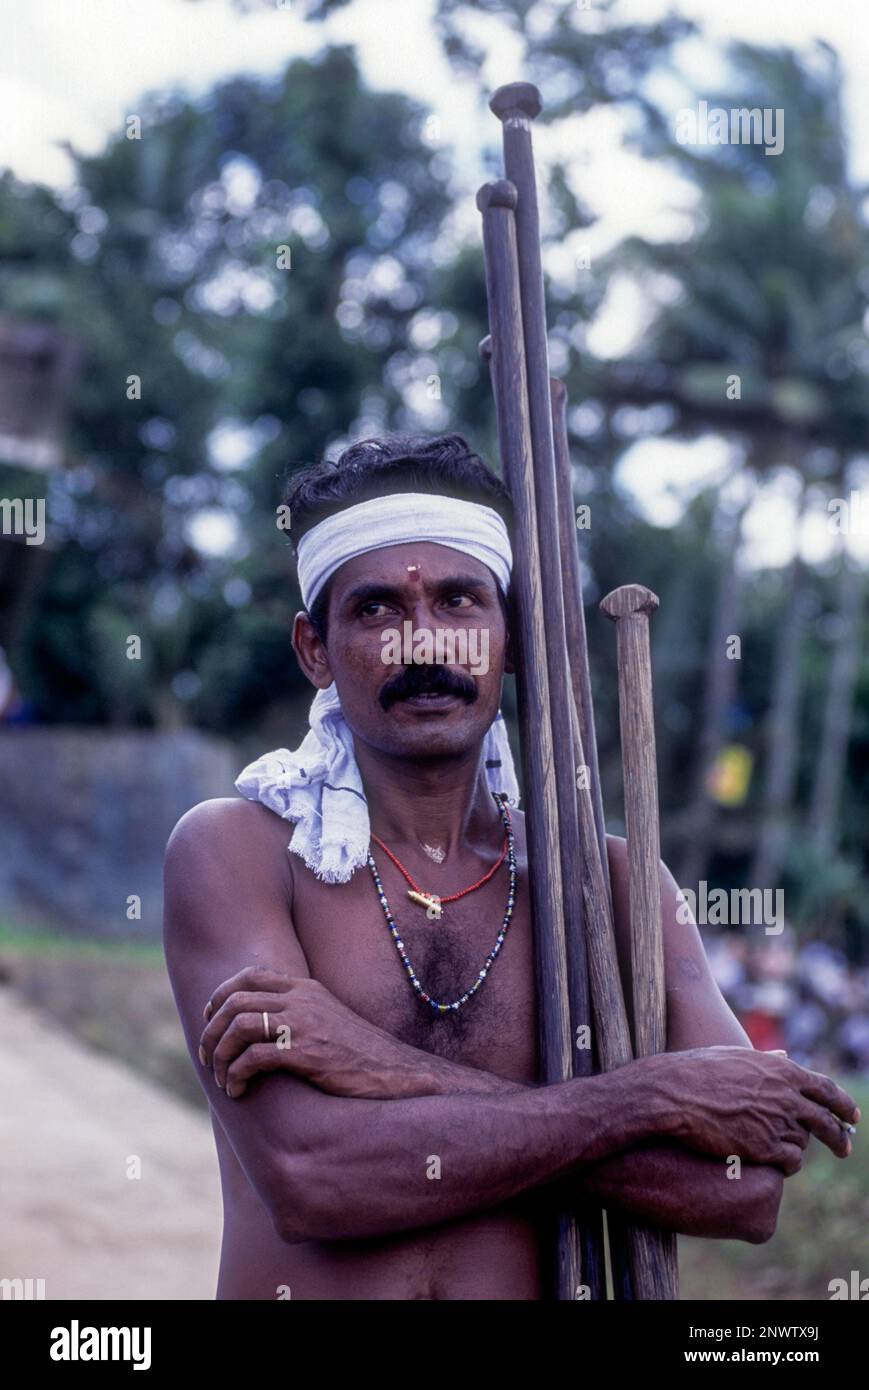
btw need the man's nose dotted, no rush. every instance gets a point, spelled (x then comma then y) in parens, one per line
(423, 617)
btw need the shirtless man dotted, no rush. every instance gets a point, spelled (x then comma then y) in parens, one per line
(371, 1144)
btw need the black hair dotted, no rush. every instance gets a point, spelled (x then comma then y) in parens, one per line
(440, 464)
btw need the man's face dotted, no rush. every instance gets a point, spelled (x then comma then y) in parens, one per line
(417, 647)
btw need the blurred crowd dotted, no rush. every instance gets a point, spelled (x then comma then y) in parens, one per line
(806, 998)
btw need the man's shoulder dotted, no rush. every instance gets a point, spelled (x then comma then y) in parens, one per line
(227, 875)
(617, 853)
(230, 829)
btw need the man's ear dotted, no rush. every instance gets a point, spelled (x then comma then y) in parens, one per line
(509, 655)
(311, 652)
(510, 620)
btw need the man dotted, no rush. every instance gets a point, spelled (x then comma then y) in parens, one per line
(361, 1010)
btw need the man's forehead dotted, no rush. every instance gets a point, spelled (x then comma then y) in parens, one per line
(399, 564)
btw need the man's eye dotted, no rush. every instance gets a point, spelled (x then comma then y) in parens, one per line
(460, 600)
(366, 610)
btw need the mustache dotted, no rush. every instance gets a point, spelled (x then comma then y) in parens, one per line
(427, 680)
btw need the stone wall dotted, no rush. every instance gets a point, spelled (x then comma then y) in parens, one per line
(84, 819)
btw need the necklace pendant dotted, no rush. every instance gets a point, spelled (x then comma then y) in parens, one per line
(434, 907)
(431, 905)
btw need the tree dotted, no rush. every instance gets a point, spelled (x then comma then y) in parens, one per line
(244, 272)
(760, 330)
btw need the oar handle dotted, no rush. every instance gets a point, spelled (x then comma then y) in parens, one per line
(630, 608)
(497, 202)
(654, 1254)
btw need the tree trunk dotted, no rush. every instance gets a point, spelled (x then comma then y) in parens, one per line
(721, 682)
(782, 744)
(838, 711)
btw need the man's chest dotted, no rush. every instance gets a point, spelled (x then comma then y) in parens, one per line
(350, 949)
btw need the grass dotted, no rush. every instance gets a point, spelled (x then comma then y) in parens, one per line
(43, 941)
(113, 995)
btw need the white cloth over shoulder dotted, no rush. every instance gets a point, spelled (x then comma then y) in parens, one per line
(319, 786)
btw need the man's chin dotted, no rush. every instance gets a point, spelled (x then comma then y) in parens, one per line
(445, 728)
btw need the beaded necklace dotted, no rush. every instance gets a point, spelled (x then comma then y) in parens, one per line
(430, 901)
(424, 997)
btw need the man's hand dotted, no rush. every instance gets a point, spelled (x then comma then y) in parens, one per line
(315, 1036)
(758, 1105)
(311, 1033)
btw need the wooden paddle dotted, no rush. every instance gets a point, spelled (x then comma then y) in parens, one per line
(630, 608)
(522, 388)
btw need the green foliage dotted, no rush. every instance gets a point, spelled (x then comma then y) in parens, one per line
(581, 59)
(165, 263)
(772, 284)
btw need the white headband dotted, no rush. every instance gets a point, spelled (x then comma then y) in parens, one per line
(399, 519)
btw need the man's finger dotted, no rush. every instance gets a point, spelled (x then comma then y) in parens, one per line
(824, 1091)
(242, 1002)
(799, 1135)
(244, 1031)
(825, 1127)
(788, 1157)
(253, 977)
(259, 1057)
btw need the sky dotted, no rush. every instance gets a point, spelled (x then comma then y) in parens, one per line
(72, 70)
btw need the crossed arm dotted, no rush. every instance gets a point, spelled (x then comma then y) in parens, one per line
(333, 1160)
(660, 1182)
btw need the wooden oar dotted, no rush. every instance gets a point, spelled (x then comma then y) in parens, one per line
(630, 608)
(588, 773)
(516, 106)
(509, 104)
(574, 610)
(496, 202)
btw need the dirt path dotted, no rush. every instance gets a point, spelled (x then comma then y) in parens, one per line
(72, 1124)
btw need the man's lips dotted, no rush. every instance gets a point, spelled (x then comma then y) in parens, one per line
(432, 690)
(431, 702)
